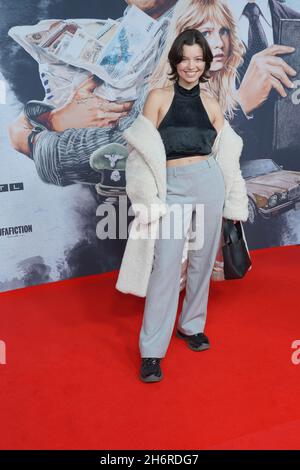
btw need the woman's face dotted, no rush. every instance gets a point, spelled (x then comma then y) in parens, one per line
(218, 38)
(192, 64)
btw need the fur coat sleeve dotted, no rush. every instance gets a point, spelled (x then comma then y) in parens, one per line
(143, 193)
(146, 170)
(227, 149)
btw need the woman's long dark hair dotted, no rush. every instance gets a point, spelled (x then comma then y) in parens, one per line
(189, 37)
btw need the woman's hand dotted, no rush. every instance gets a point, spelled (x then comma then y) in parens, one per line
(85, 109)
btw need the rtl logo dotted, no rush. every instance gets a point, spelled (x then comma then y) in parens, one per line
(11, 187)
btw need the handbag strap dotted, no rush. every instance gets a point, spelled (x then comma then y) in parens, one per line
(232, 232)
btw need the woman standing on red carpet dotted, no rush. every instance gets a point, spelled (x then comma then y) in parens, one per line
(183, 171)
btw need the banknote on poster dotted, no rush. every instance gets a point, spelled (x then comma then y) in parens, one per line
(119, 52)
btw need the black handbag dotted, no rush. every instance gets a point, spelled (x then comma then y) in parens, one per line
(235, 252)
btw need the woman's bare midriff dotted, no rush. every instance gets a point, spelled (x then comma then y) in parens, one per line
(186, 160)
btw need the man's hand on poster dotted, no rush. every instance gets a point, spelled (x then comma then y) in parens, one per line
(265, 71)
(85, 109)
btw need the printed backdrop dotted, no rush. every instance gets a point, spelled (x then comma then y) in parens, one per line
(87, 68)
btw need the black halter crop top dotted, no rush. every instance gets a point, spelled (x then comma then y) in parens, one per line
(186, 128)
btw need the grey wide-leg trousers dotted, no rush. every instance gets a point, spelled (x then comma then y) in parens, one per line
(195, 199)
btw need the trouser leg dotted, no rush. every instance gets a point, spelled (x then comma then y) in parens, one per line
(200, 261)
(163, 289)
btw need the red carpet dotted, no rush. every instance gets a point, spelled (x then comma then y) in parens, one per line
(71, 377)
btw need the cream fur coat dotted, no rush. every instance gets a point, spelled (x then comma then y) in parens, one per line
(146, 189)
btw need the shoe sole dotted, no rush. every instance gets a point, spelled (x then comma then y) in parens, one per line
(151, 378)
(203, 347)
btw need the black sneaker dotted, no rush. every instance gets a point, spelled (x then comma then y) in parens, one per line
(197, 342)
(150, 369)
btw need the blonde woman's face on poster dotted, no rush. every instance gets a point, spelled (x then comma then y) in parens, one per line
(218, 38)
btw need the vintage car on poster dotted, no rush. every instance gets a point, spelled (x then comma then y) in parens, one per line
(271, 189)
